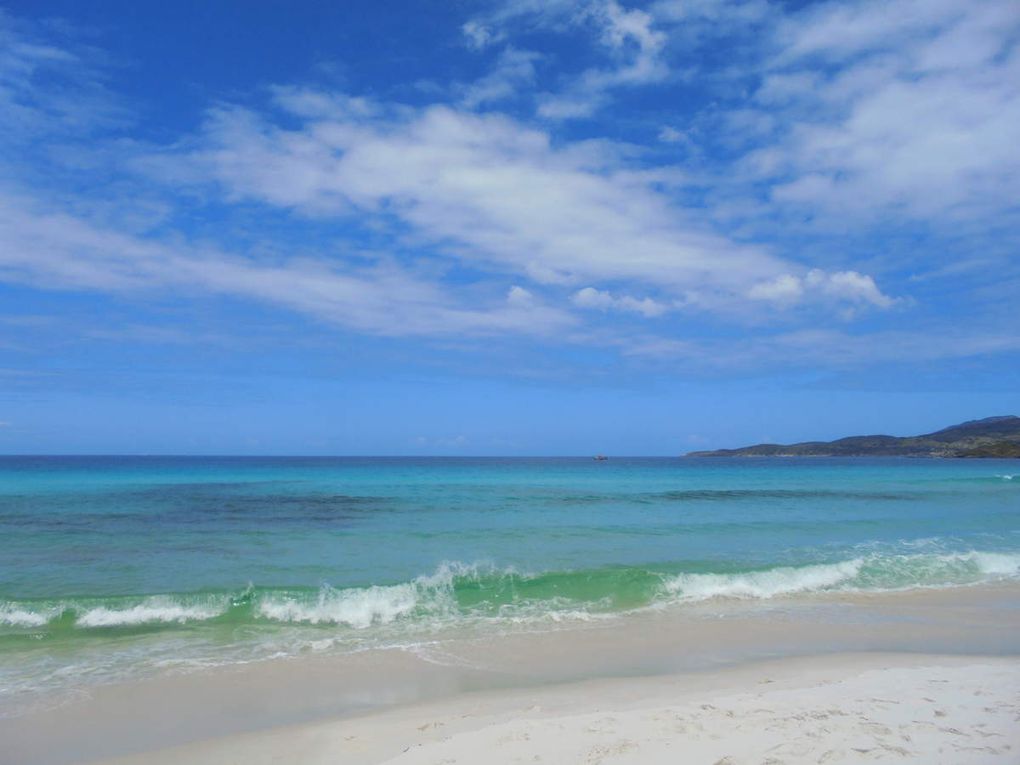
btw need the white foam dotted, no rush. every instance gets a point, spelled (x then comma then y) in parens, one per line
(354, 608)
(870, 573)
(763, 584)
(19, 617)
(150, 611)
(442, 579)
(964, 566)
(1007, 476)
(359, 608)
(996, 564)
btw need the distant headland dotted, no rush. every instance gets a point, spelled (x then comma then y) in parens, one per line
(990, 437)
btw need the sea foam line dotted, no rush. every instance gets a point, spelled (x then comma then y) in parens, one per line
(506, 596)
(876, 573)
(354, 608)
(13, 616)
(768, 583)
(152, 611)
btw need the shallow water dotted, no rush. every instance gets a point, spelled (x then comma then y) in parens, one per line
(113, 568)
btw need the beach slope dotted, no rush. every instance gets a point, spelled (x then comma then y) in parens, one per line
(847, 708)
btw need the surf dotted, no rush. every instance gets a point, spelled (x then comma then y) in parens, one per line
(478, 592)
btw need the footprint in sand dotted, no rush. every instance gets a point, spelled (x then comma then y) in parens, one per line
(513, 737)
(955, 732)
(601, 751)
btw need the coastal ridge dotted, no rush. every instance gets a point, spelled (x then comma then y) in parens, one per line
(988, 437)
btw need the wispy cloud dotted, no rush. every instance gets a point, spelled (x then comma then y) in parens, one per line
(488, 191)
(489, 213)
(627, 38)
(514, 71)
(479, 35)
(635, 48)
(495, 191)
(603, 300)
(848, 286)
(812, 349)
(55, 250)
(47, 88)
(905, 108)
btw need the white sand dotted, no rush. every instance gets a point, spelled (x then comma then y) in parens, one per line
(850, 709)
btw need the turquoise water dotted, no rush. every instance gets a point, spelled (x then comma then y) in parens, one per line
(114, 567)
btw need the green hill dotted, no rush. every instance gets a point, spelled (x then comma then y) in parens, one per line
(990, 437)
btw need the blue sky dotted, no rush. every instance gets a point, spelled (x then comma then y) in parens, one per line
(515, 227)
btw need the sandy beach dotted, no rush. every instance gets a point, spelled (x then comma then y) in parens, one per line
(845, 708)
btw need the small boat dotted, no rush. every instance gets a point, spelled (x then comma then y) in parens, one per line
(600, 458)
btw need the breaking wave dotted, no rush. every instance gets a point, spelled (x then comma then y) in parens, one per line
(456, 592)
(876, 573)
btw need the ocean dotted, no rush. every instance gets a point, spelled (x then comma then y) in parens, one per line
(114, 568)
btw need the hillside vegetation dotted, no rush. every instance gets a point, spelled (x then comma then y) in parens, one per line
(990, 437)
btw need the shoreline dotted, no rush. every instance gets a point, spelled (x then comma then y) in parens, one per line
(715, 639)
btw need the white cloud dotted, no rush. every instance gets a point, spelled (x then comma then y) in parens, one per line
(785, 288)
(589, 297)
(628, 38)
(546, 13)
(908, 111)
(479, 36)
(517, 295)
(636, 49)
(514, 69)
(820, 348)
(630, 35)
(484, 188)
(662, 349)
(46, 89)
(907, 107)
(867, 108)
(839, 30)
(569, 106)
(848, 285)
(533, 219)
(55, 250)
(842, 287)
(889, 346)
(719, 13)
(671, 135)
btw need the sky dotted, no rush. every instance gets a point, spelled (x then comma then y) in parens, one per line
(519, 227)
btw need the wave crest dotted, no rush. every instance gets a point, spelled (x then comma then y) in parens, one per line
(459, 593)
(156, 610)
(767, 583)
(876, 573)
(354, 608)
(12, 616)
